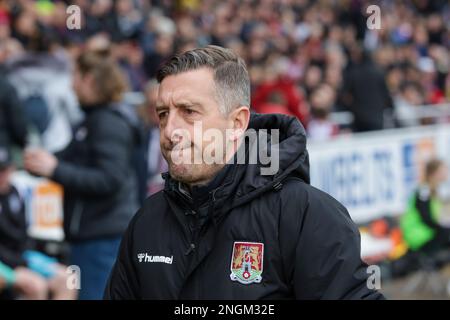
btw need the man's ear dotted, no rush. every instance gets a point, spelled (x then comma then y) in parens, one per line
(240, 118)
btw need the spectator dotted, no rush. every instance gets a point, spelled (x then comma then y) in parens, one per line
(284, 86)
(410, 96)
(276, 103)
(96, 171)
(127, 18)
(150, 179)
(100, 18)
(367, 95)
(394, 79)
(42, 79)
(421, 223)
(45, 275)
(429, 80)
(321, 127)
(312, 79)
(44, 88)
(163, 49)
(132, 64)
(101, 44)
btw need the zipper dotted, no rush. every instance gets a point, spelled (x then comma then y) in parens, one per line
(195, 237)
(195, 241)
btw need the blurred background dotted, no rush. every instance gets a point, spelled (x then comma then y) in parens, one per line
(375, 104)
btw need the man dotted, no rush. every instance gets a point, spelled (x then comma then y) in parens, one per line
(366, 94)
(224, 230)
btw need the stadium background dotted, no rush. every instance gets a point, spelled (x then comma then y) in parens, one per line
(375, 103)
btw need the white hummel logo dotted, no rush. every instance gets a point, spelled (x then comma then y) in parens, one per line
(144, 257)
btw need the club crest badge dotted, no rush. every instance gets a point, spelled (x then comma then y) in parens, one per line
(247, 262)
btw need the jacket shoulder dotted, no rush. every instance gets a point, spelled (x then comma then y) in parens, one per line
(105, 124)
(322, 205)
(103, 117)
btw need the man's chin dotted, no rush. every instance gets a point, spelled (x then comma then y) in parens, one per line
(188, 174)
(181, 173)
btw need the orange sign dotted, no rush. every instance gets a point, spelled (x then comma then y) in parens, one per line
(47, 205)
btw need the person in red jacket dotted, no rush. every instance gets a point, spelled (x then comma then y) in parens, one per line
(295, 101)
(276, 103)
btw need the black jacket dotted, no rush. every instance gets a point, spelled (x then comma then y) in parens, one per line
(177, 248)
(13, 123)
(97, 173)
(13, 229)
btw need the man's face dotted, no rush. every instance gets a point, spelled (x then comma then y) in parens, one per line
(183, 100)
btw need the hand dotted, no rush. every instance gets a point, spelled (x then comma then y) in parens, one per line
(40, 162)
(30, 284)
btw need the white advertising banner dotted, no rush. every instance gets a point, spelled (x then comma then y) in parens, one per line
(373, 174)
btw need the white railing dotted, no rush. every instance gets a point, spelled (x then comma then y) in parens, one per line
(434, 111)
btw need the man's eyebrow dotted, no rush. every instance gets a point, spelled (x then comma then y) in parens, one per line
(182, 104)
(188, 104)
(161, 107)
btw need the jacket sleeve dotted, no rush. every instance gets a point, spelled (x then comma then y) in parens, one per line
(123, 282)
(324, 261)
(109, 144)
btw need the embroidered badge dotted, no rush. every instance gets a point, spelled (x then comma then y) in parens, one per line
(247, 262)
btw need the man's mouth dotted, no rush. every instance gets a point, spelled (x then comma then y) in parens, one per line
(178, 148)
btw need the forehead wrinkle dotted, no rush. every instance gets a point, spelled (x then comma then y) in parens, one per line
(183, 89)
(179, 99)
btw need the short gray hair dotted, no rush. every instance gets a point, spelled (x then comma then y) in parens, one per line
(232, 82)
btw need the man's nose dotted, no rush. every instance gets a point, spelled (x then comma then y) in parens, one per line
(172, 128)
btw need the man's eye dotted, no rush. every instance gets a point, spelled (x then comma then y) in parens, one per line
(189, 111)
(163, 114)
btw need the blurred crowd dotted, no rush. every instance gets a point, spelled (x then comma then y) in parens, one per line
(306, 58)
(309, 59)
